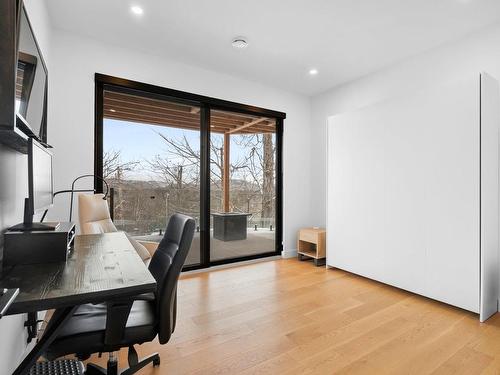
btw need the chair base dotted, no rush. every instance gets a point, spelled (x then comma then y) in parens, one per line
(112, 366)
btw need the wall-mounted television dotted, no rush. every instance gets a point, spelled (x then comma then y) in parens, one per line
(23, 80)
(31, 82)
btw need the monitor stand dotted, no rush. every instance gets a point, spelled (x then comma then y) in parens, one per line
(28, 225)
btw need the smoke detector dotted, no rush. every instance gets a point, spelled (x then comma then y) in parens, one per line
(240, 42)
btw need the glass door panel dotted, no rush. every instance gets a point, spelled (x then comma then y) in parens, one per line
(242, 185)
(151, 160)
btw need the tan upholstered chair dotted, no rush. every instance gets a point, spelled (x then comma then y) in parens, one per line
(93, 214)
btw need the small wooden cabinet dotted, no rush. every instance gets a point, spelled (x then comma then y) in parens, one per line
(311, 243)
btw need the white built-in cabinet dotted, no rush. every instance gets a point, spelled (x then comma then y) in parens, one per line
(413, 192)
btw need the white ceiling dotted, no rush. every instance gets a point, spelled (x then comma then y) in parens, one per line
(343, 39)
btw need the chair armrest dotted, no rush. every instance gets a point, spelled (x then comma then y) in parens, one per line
(150, 246)
(117, 312)
(144, 297)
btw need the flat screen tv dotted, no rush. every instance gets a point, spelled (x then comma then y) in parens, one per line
(31, 82)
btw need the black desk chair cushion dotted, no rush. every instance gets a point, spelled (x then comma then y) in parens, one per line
(84, 333)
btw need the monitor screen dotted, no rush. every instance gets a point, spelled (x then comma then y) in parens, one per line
(31, 80)
(40, 176)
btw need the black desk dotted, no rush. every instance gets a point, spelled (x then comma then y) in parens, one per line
(102, 267)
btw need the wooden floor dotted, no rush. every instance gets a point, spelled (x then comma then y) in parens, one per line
(289, 317)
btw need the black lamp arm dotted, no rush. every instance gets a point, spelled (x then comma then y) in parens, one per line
(73, 191)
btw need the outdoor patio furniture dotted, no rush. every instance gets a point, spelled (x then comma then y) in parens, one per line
(230, 226)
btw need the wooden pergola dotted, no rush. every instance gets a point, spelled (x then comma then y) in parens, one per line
(145, 110)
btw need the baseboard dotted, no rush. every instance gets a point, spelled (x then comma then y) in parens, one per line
(290, 253)
(231, 265)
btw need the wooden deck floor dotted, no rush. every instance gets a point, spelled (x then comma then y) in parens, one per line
(257, 242)
(288, 317)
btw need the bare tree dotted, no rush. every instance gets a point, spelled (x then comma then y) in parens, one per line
(141, 206)
(113, 166)
(251, 173)
(259, 165)
(181, 159)
(268, 188)
(113, 170)
(178, 167)
(179, 162)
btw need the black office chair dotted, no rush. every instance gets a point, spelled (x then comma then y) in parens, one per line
(106, 328)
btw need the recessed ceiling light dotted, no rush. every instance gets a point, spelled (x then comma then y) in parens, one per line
(112, 110)
(240, 42)
(313, 72)
(137, 10)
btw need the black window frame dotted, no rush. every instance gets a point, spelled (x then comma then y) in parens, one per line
(106, 82)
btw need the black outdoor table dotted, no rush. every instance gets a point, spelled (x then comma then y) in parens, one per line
(230, 226)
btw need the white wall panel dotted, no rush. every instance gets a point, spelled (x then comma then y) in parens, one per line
(404, 192)
(490, 119)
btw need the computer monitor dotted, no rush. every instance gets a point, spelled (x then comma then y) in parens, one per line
(40, 187)
(40, 181)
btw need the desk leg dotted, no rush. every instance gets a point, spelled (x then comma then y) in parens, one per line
(59, 317)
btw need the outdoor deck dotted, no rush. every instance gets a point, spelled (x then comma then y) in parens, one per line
(257, 242)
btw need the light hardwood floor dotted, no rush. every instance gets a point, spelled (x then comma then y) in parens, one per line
(289, 317)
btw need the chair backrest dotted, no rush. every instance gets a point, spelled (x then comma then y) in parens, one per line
(166, 266)
(93, 214)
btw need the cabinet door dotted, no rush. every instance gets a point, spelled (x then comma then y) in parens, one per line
(403, 192)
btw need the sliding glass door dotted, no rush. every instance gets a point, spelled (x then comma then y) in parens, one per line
(151, 161)
(164, 151)
(242, 185)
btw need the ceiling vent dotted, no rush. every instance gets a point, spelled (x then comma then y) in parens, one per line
(240, 42)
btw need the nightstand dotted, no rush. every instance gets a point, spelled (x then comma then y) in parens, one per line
(311, 243)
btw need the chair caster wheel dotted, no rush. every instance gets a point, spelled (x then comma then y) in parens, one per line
(156, 362)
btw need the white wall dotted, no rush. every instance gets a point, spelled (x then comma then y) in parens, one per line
(478, 52)
(40, 21)
(13, 190)
(76, 59)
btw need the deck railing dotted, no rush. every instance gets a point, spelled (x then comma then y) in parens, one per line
(145, 212)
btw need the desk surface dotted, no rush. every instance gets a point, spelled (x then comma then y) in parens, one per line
(101, 267)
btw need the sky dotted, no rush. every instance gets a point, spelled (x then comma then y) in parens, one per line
(139, 142)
